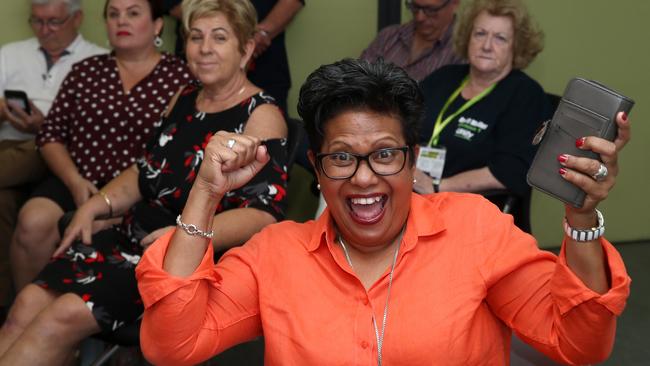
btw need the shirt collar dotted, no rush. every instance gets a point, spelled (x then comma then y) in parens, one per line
(68, 51)
(425, 219)
(72, 47)
(406, 33)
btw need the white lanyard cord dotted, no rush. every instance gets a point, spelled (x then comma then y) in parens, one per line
(380, 339)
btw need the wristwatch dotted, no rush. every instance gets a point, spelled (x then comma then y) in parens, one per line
(583, 235)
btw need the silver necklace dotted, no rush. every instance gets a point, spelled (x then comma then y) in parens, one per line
(380, 338)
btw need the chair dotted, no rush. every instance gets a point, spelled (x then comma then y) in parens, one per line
(508, 202)
(296, 132)
(128, 335)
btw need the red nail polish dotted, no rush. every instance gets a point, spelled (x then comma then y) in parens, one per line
(562, 171)
(580, 142)
(562, 158)
(624, 117)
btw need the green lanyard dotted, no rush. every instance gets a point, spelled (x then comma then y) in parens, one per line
(440, 124)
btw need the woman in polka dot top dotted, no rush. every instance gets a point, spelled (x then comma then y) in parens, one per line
(98, 125)
(93, 279)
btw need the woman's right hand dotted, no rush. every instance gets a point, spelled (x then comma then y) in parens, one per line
(82, 226)
(227, 165)
(81, 190)
(423, 183)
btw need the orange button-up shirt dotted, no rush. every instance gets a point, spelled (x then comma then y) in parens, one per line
(465, 276)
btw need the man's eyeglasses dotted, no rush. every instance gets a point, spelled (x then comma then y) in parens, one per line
(427, 10)
(52, 23)
(343, 165)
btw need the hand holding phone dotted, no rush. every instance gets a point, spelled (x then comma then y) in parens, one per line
(17, 98)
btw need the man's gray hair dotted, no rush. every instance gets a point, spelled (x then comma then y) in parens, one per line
(72, 5)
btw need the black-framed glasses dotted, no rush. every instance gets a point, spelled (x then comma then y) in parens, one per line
(344, 165)
(52, 23)
(427, 10)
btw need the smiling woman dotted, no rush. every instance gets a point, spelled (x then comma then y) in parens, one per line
(384, 276)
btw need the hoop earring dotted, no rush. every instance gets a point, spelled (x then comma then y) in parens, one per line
(158, 42)
(318, 186)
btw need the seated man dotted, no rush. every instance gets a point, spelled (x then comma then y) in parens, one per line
(423, 44)
(36, 66)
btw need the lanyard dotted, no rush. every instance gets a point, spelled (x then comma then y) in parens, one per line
(440, 124)
(380, 338)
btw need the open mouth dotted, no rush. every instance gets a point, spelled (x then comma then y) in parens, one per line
(367, 210)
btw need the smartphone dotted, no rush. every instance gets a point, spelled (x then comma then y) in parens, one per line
(18, 97)
(587, 108)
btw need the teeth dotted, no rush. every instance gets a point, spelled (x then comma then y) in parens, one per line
(365, 201)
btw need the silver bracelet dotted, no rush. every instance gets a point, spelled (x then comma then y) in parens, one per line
(192, 230)
(588, 234)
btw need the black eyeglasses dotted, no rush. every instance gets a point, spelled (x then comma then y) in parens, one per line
(52, 23)
(427, 10)
(343, 165)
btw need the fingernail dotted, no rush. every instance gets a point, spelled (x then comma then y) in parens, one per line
(580, 142)
(562, 171)
(562, 158)
(624, 117)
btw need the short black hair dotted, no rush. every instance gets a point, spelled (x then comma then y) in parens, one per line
(352, 84)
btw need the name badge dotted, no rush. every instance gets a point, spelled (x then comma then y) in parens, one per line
(431, 160)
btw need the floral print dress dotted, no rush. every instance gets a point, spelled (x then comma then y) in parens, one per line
(103, 273)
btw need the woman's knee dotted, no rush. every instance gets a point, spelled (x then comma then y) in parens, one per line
(70, 316)
(37, 220)
(29, 302)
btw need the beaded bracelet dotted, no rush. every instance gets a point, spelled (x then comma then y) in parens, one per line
(192, 230)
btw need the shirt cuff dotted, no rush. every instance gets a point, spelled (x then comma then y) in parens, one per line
(154, 283)
(569, 291)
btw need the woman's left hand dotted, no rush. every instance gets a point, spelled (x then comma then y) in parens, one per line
(582, 171)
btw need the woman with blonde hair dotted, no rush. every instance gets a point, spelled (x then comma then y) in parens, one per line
(482, 116)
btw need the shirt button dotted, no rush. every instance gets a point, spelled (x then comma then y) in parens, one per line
(365, 301)
(364, 344)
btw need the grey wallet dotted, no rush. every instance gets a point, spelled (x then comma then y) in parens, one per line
(587, 108)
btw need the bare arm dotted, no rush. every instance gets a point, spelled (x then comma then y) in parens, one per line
(58, 159)
(476, 180)
(275, 23)
(280, 17)
(60, 163)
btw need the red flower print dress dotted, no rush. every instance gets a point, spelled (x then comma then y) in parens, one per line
(103, 273)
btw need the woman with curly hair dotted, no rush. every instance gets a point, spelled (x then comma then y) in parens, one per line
(482, 116)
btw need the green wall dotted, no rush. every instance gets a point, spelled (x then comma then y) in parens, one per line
(596, 39)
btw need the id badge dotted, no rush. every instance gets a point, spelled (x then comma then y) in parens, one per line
(431, 160)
